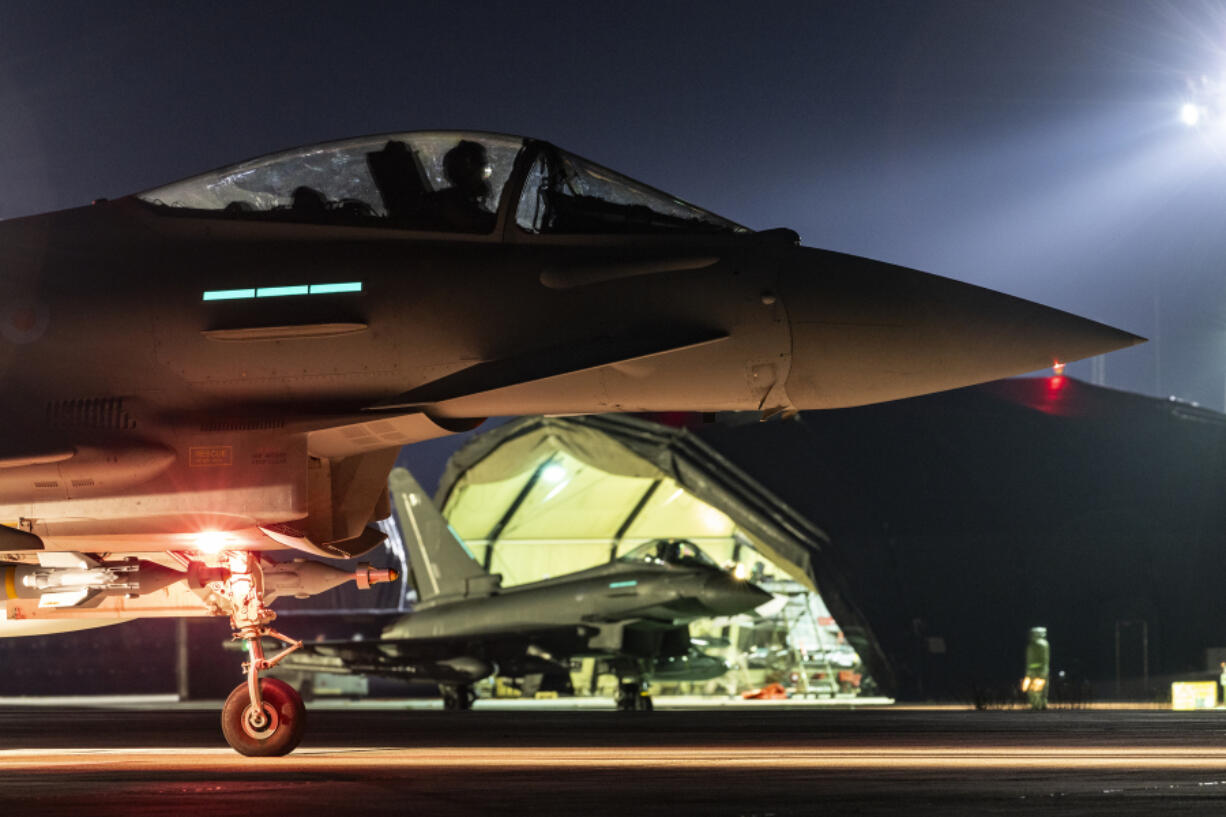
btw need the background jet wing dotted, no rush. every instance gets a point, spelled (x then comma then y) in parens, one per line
(460, 659)
(436, 647)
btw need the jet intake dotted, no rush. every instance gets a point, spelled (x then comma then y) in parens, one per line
(12, 539)
(86, 471)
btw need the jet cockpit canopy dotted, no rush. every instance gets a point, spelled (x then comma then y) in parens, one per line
(681, 552)
(450, 182)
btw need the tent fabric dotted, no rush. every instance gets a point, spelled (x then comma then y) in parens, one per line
(523, 443)
(623, 445)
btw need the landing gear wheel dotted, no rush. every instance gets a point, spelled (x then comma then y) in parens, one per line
(457, 697)
(271, 733)
(631, 698)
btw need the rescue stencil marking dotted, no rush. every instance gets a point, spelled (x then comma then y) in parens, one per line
(208, 456)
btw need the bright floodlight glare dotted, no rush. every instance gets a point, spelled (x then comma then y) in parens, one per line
(553, 473)
(211, 541)
(1189, 114)
(712, 519)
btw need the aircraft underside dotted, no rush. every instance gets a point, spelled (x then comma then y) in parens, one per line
(111, 531)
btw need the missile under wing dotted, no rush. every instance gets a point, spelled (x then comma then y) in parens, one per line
(228, 365)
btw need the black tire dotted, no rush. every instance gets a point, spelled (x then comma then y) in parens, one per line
(628, 697)
(450, 703)
(454, 698)
(286, 720)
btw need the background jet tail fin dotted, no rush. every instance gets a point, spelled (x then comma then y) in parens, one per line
(442, 567)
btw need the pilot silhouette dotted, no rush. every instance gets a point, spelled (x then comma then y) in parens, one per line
(461, 207)
(309, 203)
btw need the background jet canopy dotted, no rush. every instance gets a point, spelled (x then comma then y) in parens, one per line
(436, 182)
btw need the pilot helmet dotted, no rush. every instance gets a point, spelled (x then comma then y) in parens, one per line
(467, 163)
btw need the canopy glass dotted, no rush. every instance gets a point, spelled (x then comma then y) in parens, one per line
(450, 182)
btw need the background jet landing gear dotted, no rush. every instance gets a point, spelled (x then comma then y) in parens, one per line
(457, 697)
(631, 697)
(631, 674)
(264, 716)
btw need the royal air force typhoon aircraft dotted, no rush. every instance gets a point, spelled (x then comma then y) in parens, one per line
(632, 613)
(225, 366)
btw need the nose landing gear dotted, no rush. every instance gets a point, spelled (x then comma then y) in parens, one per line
(271, 730)
(263, 717)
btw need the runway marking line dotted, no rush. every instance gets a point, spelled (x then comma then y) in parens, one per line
(679, 757)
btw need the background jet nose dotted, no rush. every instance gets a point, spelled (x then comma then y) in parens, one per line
(725, 595)
(864, 331)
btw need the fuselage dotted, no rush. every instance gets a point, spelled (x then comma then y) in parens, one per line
(666, 595)
(173, 364)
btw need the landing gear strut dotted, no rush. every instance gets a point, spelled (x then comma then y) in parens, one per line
(457, 697)
(264, 716)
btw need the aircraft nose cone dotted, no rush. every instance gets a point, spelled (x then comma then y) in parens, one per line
(864, 331)
(725, 595)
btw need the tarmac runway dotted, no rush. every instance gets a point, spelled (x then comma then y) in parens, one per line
(161, 757)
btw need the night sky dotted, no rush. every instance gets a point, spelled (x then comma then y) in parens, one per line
(1031, 147)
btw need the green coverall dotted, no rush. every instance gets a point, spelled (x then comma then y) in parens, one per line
(1038, 668)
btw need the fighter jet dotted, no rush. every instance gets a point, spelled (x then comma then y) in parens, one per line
(632, 613)
(229, 364)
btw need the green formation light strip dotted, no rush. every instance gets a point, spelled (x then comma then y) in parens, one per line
(328, 289)
(275, 292)
(228, 294)
(622, 584)
(281, 292)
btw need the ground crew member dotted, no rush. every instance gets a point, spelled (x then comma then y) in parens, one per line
(1038, 668)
